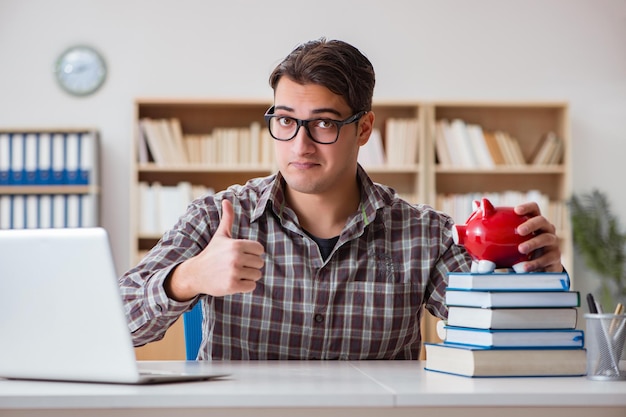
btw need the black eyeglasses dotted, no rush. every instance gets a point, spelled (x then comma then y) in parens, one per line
(324, 131)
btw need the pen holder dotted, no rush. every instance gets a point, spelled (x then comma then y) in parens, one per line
(605, 338)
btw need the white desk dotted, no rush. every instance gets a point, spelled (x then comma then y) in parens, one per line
(328, 389)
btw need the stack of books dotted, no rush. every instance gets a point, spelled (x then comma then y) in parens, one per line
(509, 324)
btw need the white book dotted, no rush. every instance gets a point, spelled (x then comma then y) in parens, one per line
(143, 155)
(148, 224)
(512, 318)
(267, 148)
(156, 143)
(464, 144)
(178, 140)
(243, 138)
(255, 143)
(515, 338)
(441, 146)
(509, 281)
(456, 152)
(411, 156)
(172, 202)
(510, 299)
(479, 145)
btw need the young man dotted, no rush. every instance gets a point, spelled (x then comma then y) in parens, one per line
(315, 262)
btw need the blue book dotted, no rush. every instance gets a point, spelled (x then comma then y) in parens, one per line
(510, 281)
(525, 299)
(479, 362)
(515, 338)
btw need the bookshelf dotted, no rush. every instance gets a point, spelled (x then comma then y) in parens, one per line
(49, 178)
(421, 179)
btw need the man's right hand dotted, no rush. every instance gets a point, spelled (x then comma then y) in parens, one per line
(226, 266)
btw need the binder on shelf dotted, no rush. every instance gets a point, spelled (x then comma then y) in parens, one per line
(58, 159)
(5, 211)
(45, 211)
(16, 168)
(31, 212)
(44, 158)
(72, 156)
(5, 158)
(87, 158)
(30, 158)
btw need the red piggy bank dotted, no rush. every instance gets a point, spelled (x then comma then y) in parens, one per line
(491, 238)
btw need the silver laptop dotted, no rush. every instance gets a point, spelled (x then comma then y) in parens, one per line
(61, 313)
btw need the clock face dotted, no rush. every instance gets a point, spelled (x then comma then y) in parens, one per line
(80, 70)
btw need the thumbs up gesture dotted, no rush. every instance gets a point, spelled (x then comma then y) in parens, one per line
(226, 266)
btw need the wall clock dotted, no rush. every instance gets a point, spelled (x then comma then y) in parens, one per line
(80, 70)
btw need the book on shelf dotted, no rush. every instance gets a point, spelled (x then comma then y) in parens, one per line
(558, 281)
(401, 141)
(162, 205)
(494, 299)
(514, 338)
(494, 148)
(444, 158)
(548, 151)
(459, 144)
(471, 361)
(512, 318)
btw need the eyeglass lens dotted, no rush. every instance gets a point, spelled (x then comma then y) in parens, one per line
(321, 130)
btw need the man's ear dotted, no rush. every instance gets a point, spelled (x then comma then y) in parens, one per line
(365, 126)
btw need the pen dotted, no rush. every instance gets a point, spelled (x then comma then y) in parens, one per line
(591, 302)
(619, 309)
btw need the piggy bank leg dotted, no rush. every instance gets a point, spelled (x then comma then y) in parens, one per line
(483, 267)
(519, 267)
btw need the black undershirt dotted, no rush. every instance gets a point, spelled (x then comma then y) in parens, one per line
(326, 245)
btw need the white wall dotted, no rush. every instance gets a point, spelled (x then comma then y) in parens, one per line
(571, 50)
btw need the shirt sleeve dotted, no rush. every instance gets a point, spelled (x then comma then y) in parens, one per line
(453, 258)
(149, 311)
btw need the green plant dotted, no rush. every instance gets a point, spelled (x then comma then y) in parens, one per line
(598, 238)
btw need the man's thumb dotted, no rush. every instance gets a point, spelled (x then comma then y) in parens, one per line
(226, 223)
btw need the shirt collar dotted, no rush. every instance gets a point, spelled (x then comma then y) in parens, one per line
(372, 197)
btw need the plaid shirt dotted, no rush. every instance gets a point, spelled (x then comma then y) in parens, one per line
(362, 302)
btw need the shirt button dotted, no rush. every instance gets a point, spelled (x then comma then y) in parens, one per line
(319, 318)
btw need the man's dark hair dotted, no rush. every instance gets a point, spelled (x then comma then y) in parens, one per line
(334, 64)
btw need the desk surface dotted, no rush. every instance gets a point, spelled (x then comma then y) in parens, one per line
(332, 388)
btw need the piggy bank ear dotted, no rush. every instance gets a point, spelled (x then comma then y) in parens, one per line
(476, 205)
(487, 208)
